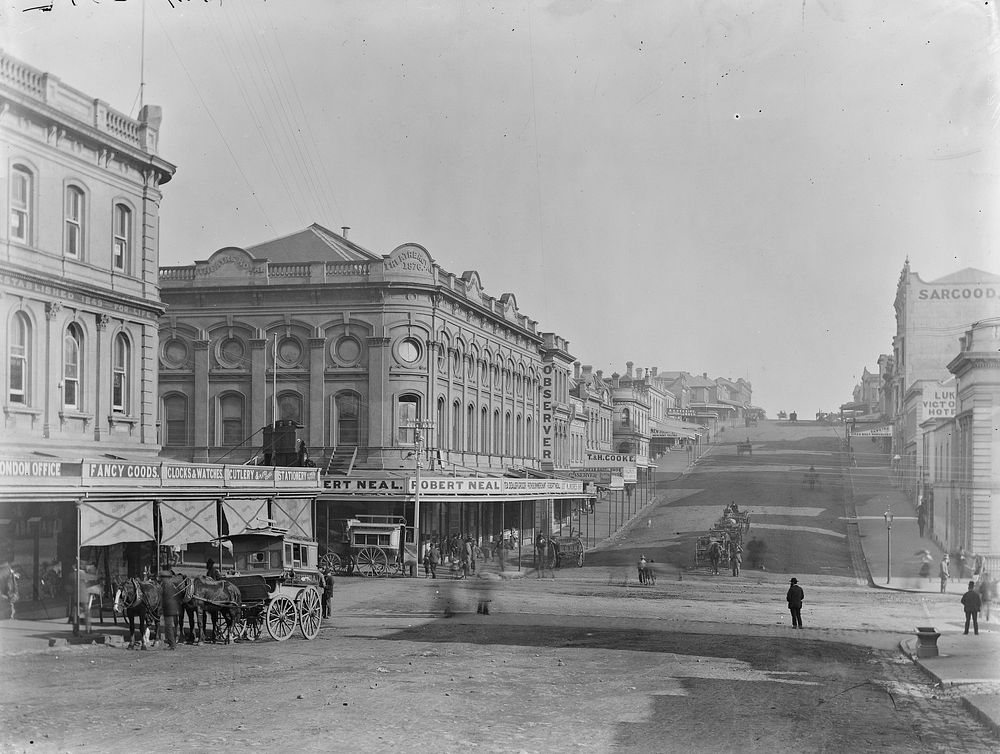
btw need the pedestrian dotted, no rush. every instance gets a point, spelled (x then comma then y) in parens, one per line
(735, 558)
(972, 603)
(425, 558)
(328, 593)
(977, 566)
(540, 547)
(211, 572)
(944, 573)
(465, 555)
(8, 588)
(795, 597)
(435, 557)
(642, 567)
(921, 518)
(170, 606)
(963, 564)
(986, 587)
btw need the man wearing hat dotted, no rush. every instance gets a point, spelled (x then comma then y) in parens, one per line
(171, 607)
(795, 597)
(8, 587)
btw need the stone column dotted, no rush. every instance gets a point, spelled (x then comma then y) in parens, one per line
(53, 367)
(201, 402)
(103, 356)
(317, 392)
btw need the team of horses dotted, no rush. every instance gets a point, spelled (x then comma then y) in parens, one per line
(142, 600)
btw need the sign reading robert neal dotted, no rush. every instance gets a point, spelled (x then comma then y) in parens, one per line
(496, 487)
(939, 401)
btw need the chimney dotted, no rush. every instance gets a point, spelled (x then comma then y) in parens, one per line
(343, 230)
(587, 369)
(705, 375)
(628, 370)
(576, 370)
(655, 371)
(638, 373)
(615, 379)
(600, 372)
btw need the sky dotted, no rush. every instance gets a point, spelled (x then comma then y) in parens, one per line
(716, 186)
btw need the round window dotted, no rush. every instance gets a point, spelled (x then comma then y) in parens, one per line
(348, 350)
(409, 351)
(231, 353)
(289, 351)
(175, 353)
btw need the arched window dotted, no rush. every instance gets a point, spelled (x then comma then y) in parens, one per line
(19, 370)
(518, 437)
(484, 430)
(290, 406)
(530, 436)
(497, 434)
(231, 427)
(625, 417)
(75, 212)
(22, 185)
(407, 415)
(442, 427)
(120, 374)
(470, 428)
(72, 367)
(348, 421)
(122, 238)
(508, 435)
(456, 426)
(175, 421)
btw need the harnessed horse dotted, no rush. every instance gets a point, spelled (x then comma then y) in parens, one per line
(215, 597)
(715, 555)
(142, 600)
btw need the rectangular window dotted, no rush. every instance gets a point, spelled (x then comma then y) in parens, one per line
(122, 237)
(74, 222)
(20, 204)
(231, 408)
(407, 414)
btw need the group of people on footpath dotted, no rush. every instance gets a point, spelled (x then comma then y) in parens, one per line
(459, 552)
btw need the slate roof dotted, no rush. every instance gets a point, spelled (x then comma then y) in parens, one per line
(314, 244)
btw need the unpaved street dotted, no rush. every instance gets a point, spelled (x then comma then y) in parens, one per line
(571, 664)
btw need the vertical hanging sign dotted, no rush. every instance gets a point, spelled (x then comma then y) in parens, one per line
(548, 419)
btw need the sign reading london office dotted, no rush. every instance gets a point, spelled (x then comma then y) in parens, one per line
(127, 474)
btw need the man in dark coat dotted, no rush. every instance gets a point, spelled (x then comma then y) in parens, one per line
(434, 557)
(794, 598)
(211, 571)
(328, 593)
(171, 607)
(972, 603)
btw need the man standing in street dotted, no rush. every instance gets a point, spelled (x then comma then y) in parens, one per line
(171, 606)
(795, 597)
(328, 593)
(944, 573)
(972, 602)
(8, 587)
(434, 556)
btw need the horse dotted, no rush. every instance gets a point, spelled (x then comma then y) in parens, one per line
(142, 600)
(715, 555)
(215, 597)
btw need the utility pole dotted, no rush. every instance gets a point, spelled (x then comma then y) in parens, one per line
(419, 426)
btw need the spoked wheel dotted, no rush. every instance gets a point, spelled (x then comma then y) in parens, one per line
(310, 604)
(579, 559)
(332, 561)
(372, 561)
(280, 618)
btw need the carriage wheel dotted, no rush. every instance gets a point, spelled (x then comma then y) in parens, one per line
(280, 618)
(371, 561)
(579, 559)
(310, 605)
(332, 561)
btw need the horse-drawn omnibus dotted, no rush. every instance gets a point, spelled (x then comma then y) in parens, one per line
(369, 545)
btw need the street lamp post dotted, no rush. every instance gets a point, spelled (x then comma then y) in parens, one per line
(888, 549)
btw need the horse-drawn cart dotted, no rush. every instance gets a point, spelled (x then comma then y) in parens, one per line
(369, 546)
(278, 579)
(566, 551)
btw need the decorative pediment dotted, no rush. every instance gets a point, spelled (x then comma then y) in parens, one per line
(410, 258)
(473, 285)
(230, 261)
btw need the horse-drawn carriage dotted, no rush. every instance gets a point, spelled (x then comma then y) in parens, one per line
(370, 546)
(744, 447)
(565, 551)
(279, 584)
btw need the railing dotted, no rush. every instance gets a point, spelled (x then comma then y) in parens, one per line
(348, 268)
(177, 273)
(289, 270)
(17, 75)
(121, 126)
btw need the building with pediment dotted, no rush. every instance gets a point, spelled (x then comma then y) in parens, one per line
(362, 351)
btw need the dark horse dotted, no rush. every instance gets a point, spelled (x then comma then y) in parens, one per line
(218, 597)
(142, 600)
(715, 555)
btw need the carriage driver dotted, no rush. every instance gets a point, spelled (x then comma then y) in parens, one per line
(211, 571)
(171, 606)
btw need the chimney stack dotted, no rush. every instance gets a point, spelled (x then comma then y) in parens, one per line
(628, 369)
(638, 373)
(344, 229)
(576, 370)
(656, 371)
(615, 379)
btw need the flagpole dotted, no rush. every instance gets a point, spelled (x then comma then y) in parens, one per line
(274, 394)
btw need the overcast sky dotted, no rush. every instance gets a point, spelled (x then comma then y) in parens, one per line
(721, 186)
